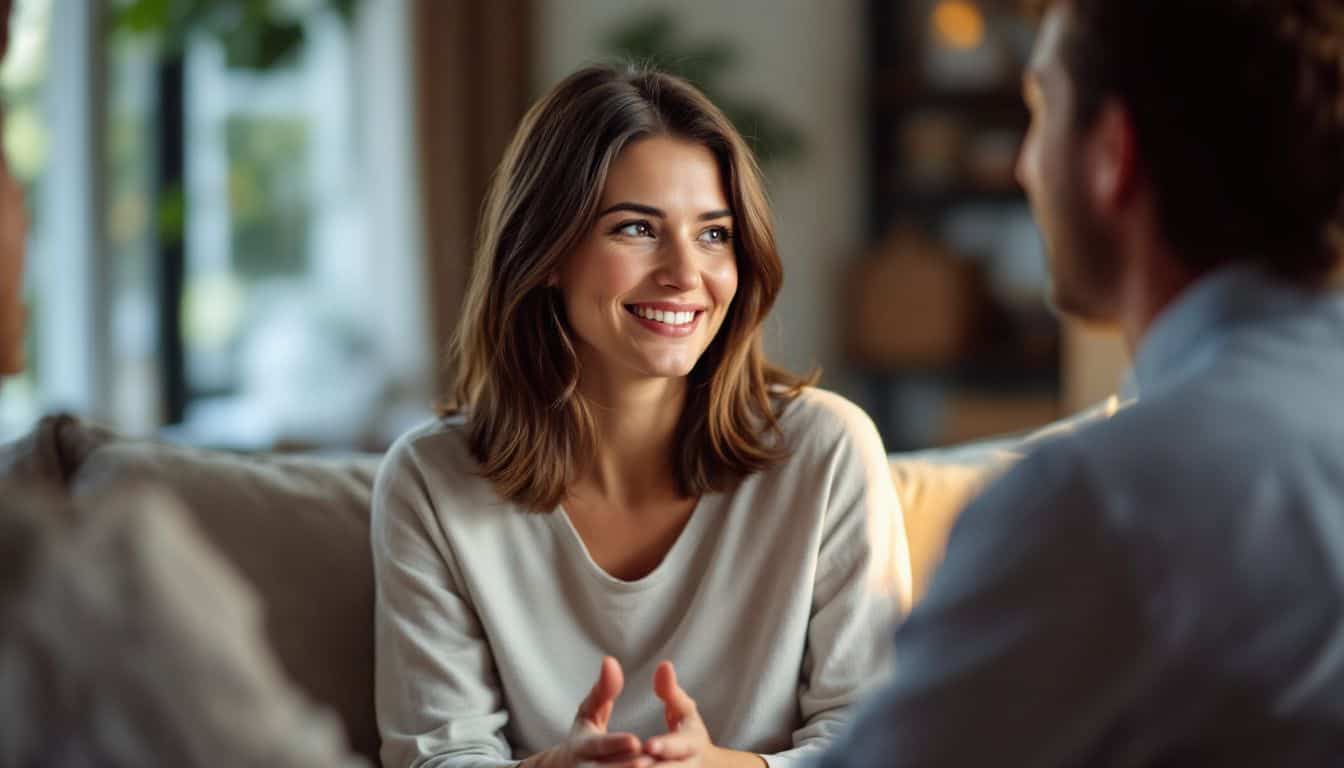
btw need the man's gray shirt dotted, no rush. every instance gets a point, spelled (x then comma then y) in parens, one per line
(1164, 588)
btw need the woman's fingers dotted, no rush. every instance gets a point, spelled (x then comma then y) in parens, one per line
(678, 706)
(672, 747)
(596, 708)
(642, 761)
(607, 747)
(611, 750)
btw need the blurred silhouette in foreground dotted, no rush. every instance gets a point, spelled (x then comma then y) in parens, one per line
(1162, 588)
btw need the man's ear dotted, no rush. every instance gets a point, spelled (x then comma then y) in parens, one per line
(1112, 158)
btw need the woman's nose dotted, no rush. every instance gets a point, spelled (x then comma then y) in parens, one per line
(680, 266)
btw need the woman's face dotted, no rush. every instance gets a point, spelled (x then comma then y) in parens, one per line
(650, 284)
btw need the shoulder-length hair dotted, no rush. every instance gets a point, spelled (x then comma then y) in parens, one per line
(514, 351)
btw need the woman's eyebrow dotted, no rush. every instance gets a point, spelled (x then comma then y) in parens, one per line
(647, 210)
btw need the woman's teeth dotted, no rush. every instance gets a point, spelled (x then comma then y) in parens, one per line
(666, 318)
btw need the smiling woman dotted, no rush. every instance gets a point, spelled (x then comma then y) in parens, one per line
(550, 227)
(647, 289)
(624, 484)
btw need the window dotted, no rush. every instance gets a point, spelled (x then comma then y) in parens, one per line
(287, 312)
(294, 221)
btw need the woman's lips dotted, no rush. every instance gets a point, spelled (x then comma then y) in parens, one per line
(672, 322)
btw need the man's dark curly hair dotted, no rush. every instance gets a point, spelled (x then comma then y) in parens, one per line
(1238, 106)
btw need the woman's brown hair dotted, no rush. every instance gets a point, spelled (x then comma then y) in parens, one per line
(514, 352)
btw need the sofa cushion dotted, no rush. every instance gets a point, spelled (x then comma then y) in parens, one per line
(934, 486)
(932, 495)
(127, 639)
(297, 529)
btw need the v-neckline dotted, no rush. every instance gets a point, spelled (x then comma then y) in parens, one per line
(675, 554)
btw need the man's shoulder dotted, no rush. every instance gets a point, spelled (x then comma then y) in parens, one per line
(1211, 454)
(1147, 458)
(1221, 424)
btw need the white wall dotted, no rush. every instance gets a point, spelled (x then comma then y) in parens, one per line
(805, 59)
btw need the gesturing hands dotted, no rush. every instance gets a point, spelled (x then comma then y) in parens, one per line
(589, 743)
(685, 745)
(686, 742)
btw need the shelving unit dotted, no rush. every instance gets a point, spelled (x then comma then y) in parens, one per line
(946, 124)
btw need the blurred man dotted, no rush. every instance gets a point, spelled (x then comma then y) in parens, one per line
(1167, 587)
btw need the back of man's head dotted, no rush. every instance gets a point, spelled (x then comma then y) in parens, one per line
(1238, 110)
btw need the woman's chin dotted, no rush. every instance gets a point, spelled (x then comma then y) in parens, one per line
(666, 374)
(678, 368)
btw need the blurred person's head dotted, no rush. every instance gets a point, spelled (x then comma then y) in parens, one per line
(1170, 138)
(13, 233)
(626, 242)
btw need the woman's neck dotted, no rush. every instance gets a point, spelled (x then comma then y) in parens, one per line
(633, 448)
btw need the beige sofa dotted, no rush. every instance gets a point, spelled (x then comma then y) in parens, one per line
(296, 528)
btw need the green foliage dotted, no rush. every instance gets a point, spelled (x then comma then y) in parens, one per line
(255, 34)
(655, 40)
(172, 213)
(268, 195)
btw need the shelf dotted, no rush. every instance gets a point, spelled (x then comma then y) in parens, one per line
(931, 207)
(937, 148)
(957, 195)
(903, 92)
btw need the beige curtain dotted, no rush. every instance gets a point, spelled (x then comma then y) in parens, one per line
(473, 59)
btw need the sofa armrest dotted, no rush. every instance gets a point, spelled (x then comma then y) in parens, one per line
(52, 453)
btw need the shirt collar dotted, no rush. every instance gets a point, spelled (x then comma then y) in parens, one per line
(1188, 333)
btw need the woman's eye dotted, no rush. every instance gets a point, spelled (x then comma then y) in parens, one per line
(716, 235)
(636, 229)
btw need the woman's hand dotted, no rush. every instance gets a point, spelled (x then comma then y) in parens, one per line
(589, 744)
(687, 742)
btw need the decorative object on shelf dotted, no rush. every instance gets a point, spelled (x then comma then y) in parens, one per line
(255, 34)
(958, 25)
(911, 304)
(932, 140)
(656, 39)
(991, 155)
(961, 49)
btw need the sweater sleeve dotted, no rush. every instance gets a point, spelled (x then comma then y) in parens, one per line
(438, 696)
(862, 585)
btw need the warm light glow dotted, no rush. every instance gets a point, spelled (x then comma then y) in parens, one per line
(958, 24)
